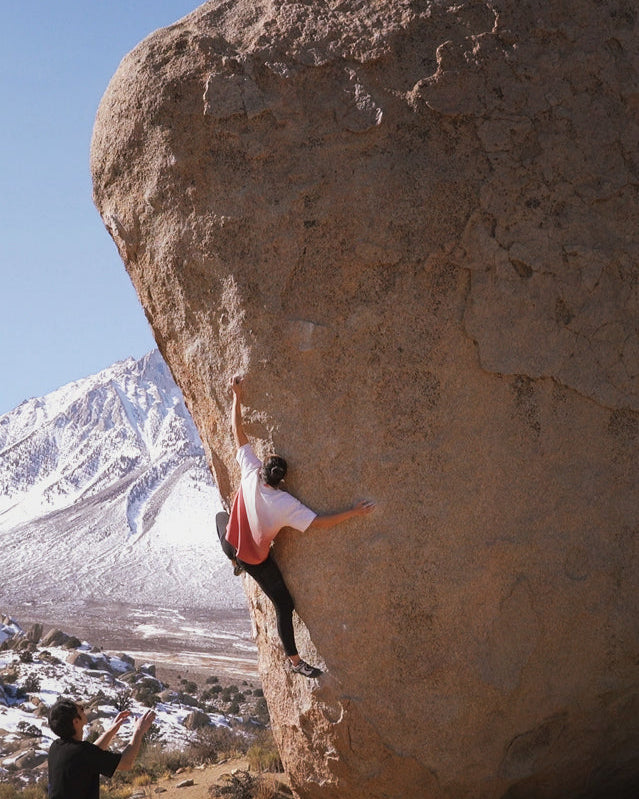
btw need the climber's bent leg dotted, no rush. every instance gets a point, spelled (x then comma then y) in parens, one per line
(221, 520)
(268, 576)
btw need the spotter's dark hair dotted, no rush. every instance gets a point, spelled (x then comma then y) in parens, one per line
(61, 717)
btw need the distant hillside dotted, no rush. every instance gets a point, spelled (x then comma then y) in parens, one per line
(105, 494)
(38, 668)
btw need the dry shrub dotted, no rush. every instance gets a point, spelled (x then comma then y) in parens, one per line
(266, 790)
(8, 791)
(263, 755)
(157, 760)
(115, 791)
(212, 743)
(240, 785)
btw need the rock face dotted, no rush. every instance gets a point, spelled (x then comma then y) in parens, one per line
(414, 225)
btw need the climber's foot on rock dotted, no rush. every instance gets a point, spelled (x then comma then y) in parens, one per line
(303, 668)
(237, 569)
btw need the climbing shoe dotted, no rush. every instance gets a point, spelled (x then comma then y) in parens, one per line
(304, 669)
(237, 569)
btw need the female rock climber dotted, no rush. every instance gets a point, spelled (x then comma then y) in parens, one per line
(260, 510)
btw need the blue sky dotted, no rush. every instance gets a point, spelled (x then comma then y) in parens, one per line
(67, 307)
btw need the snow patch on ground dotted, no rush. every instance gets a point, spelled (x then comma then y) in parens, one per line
(82, 684)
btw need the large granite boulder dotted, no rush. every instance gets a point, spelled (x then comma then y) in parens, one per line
(414, 225)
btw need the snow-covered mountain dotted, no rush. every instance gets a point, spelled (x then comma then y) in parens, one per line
(105, 495)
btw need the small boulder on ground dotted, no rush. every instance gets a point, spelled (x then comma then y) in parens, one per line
(28, 759)
(196, 720)
(46, 657)
(54, 637)
(127, 659)
(34, 634)
(187, 699)
(80, 659)
(31, 758)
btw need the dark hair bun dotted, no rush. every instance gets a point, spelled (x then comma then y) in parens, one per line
(274, 470)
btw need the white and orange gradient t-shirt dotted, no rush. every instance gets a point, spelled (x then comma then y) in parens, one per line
(260, 511)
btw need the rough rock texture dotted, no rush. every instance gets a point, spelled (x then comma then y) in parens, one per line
(414, 224)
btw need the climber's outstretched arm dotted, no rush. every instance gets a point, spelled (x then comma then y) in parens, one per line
(236, 413)
(331, 519)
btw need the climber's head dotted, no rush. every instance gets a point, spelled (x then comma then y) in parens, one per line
(274, 470)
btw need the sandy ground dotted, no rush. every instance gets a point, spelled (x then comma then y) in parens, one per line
(203, 779)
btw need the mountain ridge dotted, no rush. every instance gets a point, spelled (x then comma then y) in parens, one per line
(106, 477)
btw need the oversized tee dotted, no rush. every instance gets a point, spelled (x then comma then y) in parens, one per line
(260, 511)
(75, 768)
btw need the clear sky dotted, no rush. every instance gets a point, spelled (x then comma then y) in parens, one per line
(67, 307)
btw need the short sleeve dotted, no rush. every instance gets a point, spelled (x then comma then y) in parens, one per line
(298, 516)
(247, 459)
(102, 760)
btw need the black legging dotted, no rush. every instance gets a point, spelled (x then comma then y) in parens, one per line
(221, 520)
(269, 578)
